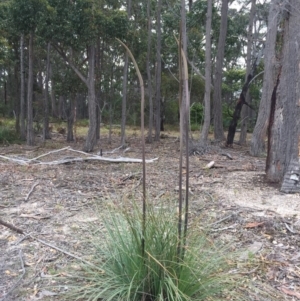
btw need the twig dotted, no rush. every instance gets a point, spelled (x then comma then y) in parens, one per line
(227, 155)
(18, 281)
(31, 190)
(114, 150)
(226, 228)
(289, 228)
(225, 218)
(18, 230)
(11, 227)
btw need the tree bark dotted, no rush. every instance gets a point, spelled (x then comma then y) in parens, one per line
(158, 73)
(183, 117)
(217, 96)
(53, 98)
(245, 110)
(91, 135)
(239, 104)
(149, 79)
(17, 89)
(22, 90)
(257, 146)
(71, 117)
(206, 124)
(190, 5)
(30, 133)
(285, 121)
(124, 99)
(125, 84)
(46, 134)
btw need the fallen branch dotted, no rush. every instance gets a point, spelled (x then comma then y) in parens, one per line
(11, 227)
(98, 158)
(25, 161)
(49, 153)
(30, 191)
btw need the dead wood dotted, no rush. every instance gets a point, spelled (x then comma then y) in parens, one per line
(30, 191)
(65, 160)
(11, 227)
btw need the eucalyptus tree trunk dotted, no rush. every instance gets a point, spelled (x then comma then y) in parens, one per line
(217, 96)
(190, 5)
(245, 109)
(257, 146)
(71, 117)
(16, 89)
(46, 134)
(22, 90)
(206, 124)
(158, 72)
(284, 126)
(183, 118)
(149, 82)
(125, 84)
(52, 94)
(124, 99)
(99, 57)
(91, 135)
(111, 97)
(30, 133)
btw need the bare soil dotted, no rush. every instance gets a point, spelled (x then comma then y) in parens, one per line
(57, 203)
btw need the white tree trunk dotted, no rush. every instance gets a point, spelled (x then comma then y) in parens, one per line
(149, 80)
(91, 136)
(283, 144)
(217, 96)
(257, 146)
(158, 73)
(22, 90)
(30, 133)
(206, 124)
(245, 109)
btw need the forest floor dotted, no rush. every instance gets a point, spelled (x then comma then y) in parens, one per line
(56, 203)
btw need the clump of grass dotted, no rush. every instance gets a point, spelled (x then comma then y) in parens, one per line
(7, 135)
(124, 272)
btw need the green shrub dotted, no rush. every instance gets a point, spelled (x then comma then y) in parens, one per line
(227, 114)
(7, 135)
(195, 127)
(124, 273)
(196, 113)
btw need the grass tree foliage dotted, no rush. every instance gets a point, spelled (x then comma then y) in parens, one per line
(125, 272)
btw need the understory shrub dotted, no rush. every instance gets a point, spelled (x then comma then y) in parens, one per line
(7, 135)
(122, 272)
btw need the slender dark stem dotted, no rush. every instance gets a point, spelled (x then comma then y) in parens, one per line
(181, 147)
(143, 143)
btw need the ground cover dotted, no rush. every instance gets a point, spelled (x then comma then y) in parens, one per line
(56, 203)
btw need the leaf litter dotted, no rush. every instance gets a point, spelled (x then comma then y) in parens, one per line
(56, 203)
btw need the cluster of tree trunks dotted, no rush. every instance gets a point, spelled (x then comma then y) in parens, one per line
(284, 126)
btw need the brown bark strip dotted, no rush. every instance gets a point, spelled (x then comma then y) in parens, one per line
(271, 121)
